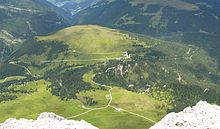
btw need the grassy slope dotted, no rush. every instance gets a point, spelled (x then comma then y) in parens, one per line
(162, 18)
(29, 106)
(79, 45)
(12, 78)
(137, 103)
(91, 43)
(91, 39)
(85, 45)
(178, 4)
(30, 17)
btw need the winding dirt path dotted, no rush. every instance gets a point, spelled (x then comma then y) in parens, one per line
(110, 97)
(29, 72)
(110, 88)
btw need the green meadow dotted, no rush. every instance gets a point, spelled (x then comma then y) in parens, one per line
(60, 70)
(30, 105)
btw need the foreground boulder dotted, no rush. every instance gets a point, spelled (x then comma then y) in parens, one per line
(201, 116)
(46, 121)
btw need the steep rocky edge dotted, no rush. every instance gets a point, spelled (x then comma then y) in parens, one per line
(201, 116)
(46, 121)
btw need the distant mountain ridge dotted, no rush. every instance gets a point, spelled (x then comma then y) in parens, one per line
(154, 17)
(133, 59)
(194, 22)
(73, 6)
(20, 20)
(31, 17)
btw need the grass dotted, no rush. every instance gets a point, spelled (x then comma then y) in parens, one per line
(87, 45)
(138, 103)
(88, 77)
(30, 105)
(90, 39)
(12, 78)
(95, 44)
(98, 95)
(110, 119)
(185, 63)
(178, 4)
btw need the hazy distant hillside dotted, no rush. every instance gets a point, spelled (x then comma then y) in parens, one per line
(30, 17)
(196, 22)
(73, 6)
(20, 20)
(124, 64)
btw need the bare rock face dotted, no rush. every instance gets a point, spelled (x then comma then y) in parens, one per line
(201, 116)
(46, 121)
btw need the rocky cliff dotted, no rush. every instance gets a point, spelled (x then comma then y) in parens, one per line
(201, 116)
(46, 121)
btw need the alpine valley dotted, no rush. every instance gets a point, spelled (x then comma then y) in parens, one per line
(117, 64)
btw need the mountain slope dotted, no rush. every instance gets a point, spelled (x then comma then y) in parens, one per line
(94, 70)
(20, 20)
(193, 22)
(77, 44)
(30, 17)
(73, 6)
(59, 71)
(91, 39)
(148, 64)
